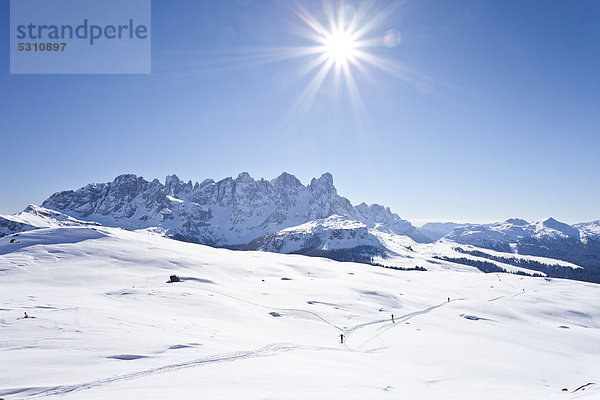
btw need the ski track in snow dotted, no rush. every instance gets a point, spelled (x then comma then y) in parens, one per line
(401, 318)
(503, 297)
(265, 351)
(268, 350)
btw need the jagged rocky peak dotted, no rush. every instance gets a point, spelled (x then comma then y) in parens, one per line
(377, 212)
(362, 207)
(207, 182)
(324, 200)
(128, 183)
(285, 181)
(174, 185)
(244, 177)
(379, 217)
(125, 178)
(324, 183)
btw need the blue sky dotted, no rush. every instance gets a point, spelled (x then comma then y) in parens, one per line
(498, 118)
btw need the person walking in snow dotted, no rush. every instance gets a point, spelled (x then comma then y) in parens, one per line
(341, 338)
(393, 319)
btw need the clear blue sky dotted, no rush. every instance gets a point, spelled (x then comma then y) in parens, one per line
(500, 117)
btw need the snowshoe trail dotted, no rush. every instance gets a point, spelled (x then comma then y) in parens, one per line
(265, 351)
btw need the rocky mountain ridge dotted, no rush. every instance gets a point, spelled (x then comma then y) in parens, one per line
(231, 212)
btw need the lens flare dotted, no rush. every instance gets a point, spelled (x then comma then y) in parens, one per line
(391, 38)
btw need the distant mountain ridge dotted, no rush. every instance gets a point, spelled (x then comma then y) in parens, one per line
(437, 230)
(231, 212)
(579, 243)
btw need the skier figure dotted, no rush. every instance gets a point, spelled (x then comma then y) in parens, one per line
(341, 338)
(26, 316)
(393, 319)
(448, 299)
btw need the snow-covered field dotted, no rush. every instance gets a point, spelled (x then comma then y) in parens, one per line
(104, 323)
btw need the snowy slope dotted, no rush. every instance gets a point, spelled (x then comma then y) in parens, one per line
(332, 233)
(253, 325)
(35, 217)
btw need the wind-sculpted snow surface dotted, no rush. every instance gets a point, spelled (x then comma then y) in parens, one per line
(231, 212)
(104, 322)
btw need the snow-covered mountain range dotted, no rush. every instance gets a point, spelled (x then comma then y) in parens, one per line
(578, 243)
(283, 215)
(501, 235)
(229, 213)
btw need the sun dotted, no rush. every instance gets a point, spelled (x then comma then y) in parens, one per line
(339, 47)
(337, 43)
